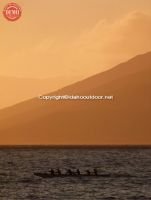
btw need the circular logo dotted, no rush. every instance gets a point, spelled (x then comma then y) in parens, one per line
(12, 12)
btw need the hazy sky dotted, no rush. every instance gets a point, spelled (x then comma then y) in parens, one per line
(73, 37)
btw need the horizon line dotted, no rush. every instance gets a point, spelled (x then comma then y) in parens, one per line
(70, 146)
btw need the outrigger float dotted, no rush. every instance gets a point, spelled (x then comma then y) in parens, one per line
(77, 174)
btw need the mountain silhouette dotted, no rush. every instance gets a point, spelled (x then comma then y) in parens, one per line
(123, 120)
(14, 90)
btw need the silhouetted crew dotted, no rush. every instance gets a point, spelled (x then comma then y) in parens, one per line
(88, 172)
(59, 171)
(69, 172)
(52, 172)
(95, 172)
(78, 172)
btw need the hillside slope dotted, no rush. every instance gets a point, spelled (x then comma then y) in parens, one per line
(125, 120)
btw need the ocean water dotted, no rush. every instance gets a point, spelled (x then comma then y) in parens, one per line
(128, 169)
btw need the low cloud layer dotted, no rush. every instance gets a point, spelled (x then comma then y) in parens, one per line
(105, 45)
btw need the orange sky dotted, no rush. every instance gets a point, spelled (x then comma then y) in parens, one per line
(63, 41)
(71, 38)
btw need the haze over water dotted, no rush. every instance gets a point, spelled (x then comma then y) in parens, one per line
(128, 171)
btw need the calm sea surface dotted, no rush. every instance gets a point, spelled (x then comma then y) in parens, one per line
(128, 169)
